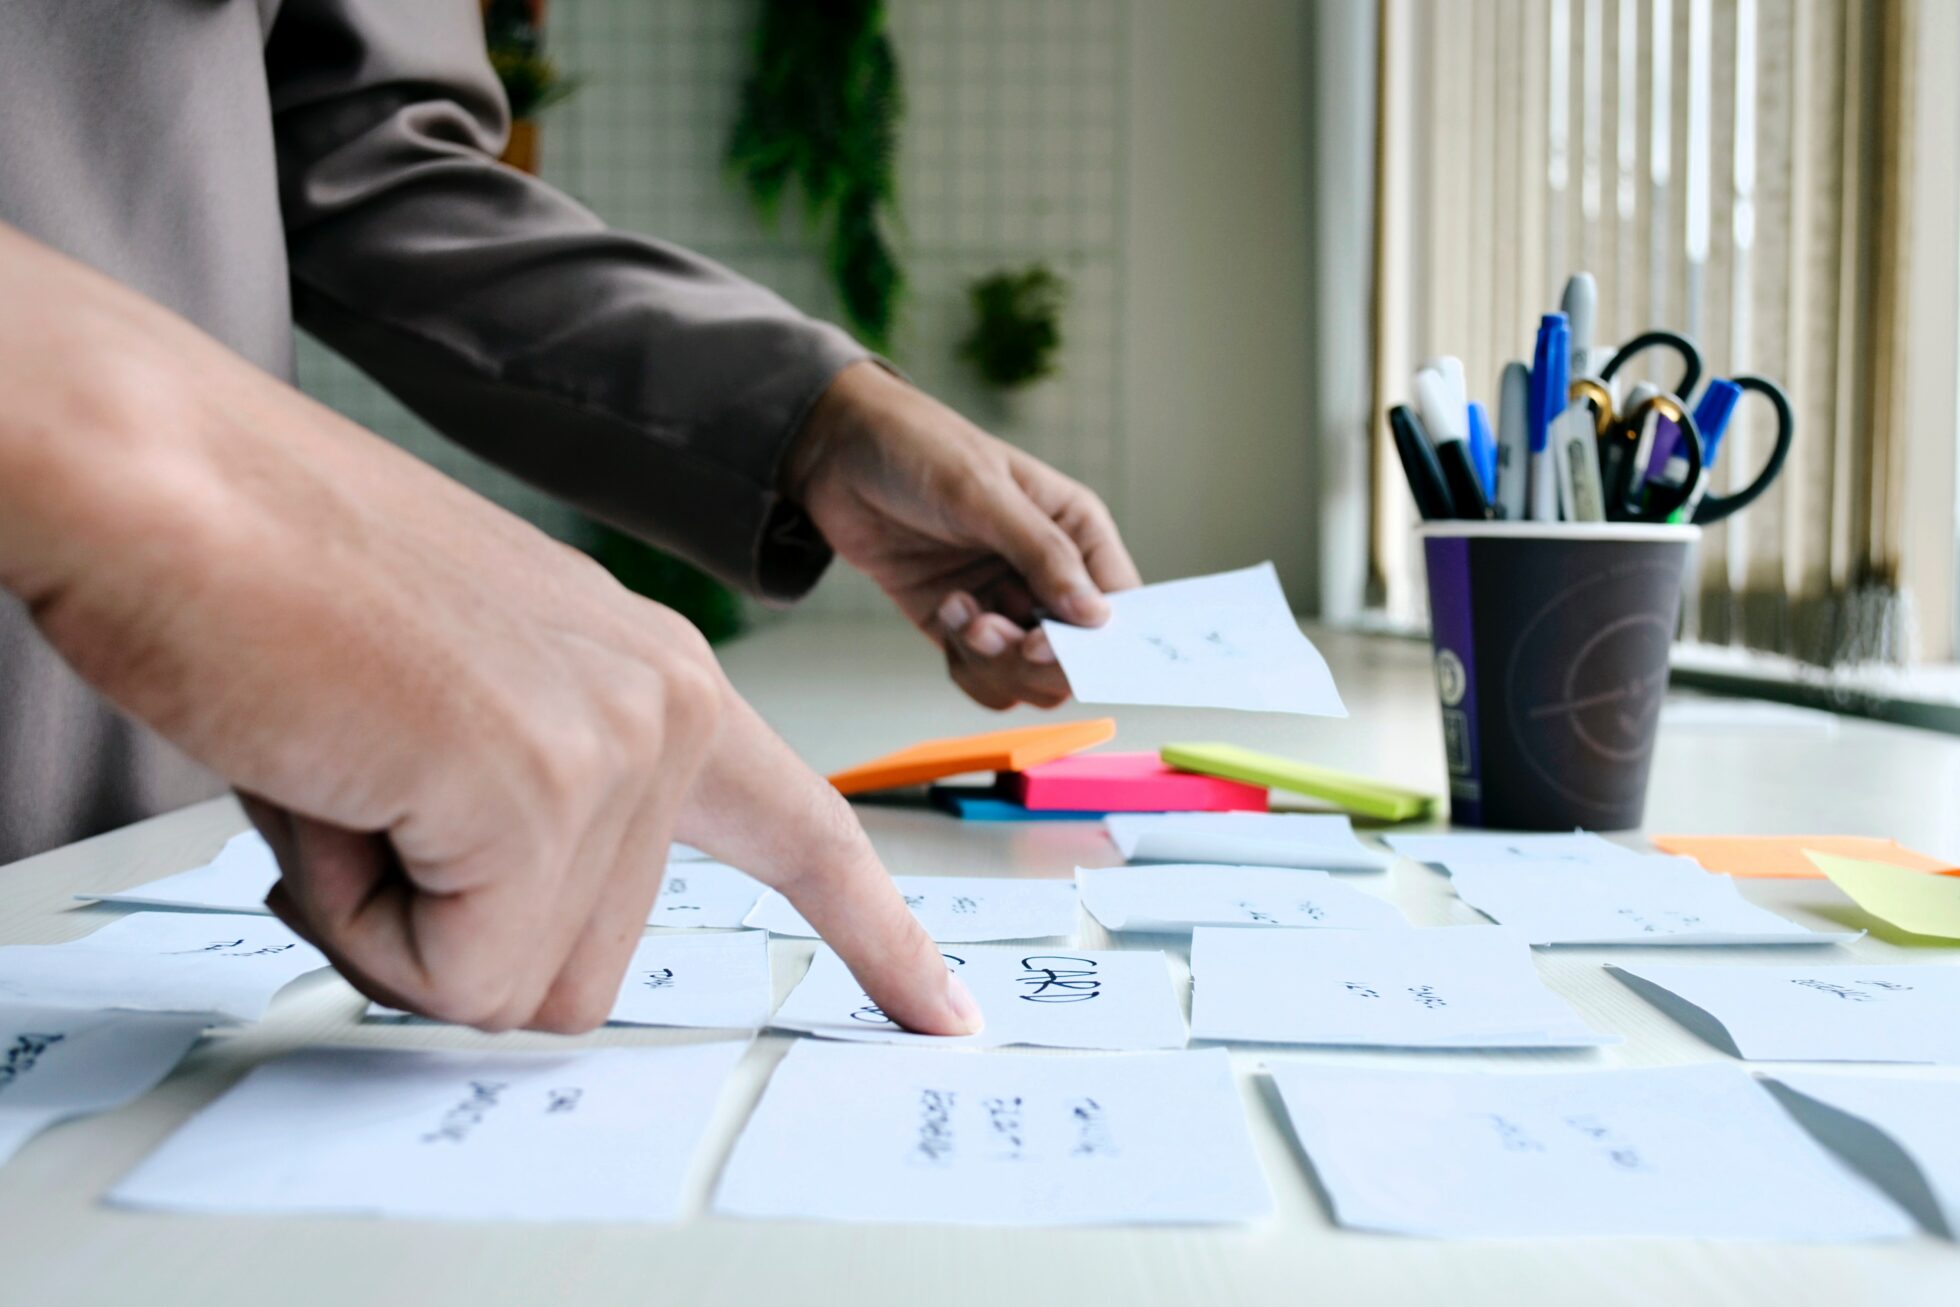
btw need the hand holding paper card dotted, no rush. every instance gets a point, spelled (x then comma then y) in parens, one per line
(712, 982)
(1224, 641)
(704, 893)
(1911, 900)
(956, 909)
(1899, 1133)
(237, 880)
(1446, 987)
(1634, 900)
(1176, 897)
(1691, 1152)
(1786, 1012)
(1072, 999)
(1323, 842)
(57, 1064)
(925, 1134)
(603, 1135)
(226, 966)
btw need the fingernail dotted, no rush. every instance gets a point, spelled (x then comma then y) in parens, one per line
(964, 1006)
(987, 641)
(957, 611)
(1036, 648)
(1083, 608)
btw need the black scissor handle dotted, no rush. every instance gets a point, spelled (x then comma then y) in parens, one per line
(1662, 498)
(1681, 346)
(1713, 508)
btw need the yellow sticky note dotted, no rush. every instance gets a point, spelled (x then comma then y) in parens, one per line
(1911, 900)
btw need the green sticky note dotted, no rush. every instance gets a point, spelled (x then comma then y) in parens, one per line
(1351, 793)
(1922, 902)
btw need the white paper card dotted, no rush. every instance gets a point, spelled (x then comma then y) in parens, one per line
(1647, 901)
(704, 893)
(1578, 847)
(709, 982)
(604, 1135)
(1792, 1012)
(1318, 841)
(1073, 999)
(1443, 987)
(1689, 1152)
(237, 880)
(227, 966)
(926, 1134)
(679, 852)
(56, 1064)
(1907, 1145)
(1223, 641)
(1173, 897)
(956, 909)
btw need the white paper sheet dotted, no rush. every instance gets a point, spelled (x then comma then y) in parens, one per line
(1819, 1012)
(237, 880)
(1223, 641)
(1176, 897)
(1317, 841)
(708, 982)
(1899, 1133)
(704, 893)
(57, 1064)
(679, 852)
(1074, 998)
(226, 966)
(1688, 1151)
(604, 1135)
(956, 909)
(1578, 847)
(1443, 987)
(1646, 901)
(943, 1135)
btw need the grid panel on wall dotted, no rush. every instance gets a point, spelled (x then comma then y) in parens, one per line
(1011, 153)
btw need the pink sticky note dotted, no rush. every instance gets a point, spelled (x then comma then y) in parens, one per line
(1128, 782)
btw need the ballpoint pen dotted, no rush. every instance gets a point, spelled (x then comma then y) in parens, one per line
(1550, 363)
(1419, 465)
(1448, 423)
(1580, 302)
(1483, 454)
(1513, 441)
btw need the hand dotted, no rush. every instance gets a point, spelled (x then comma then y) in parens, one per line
(468, 746)
(968, 535)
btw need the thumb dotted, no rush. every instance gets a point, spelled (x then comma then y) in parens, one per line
(756, 806)
(1045, 555)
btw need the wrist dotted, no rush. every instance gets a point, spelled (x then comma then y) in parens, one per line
(840, 414)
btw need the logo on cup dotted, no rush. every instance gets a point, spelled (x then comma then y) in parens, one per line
(1450, 679)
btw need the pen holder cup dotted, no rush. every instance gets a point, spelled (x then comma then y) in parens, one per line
(1551, 644)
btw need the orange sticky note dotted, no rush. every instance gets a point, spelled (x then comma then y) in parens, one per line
(1783, 855)
(1015, 750)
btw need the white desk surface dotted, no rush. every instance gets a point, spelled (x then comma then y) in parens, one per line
(841, 692)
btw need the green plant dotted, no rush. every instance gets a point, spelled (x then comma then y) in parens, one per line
(1017, 327)
(659, 576)
(820, 111)
(513, 31)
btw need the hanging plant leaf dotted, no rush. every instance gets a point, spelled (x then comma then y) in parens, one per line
(1017, 327)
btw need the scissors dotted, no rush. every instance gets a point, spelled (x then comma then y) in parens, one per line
(1625, 438)
(1703, 508)
(1682, 348)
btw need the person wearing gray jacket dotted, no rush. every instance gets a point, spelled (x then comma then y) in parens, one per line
(467, 745)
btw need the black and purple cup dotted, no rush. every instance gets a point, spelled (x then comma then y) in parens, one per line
(1551, 645)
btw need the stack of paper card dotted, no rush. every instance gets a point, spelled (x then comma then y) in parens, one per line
(603, 1135)
(1911, 900)
(1484, 848)
(1694, 1152)
(918, 1134)
(1176, 897)
(56, 1064)
(1345, 790)
(1265, 839)
(223, 966)
(716, 982)
(1789, 855)
(1898, 1133)
(1014, 749)
(1631, 900)
(1816, 1013)
(1127, 782)
(1224, 641)
(1075, 999)
(1463, 987)
(956, 909)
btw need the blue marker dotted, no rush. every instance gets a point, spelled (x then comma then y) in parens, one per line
(1483, 451)
(1550, 364)
(1712, 417)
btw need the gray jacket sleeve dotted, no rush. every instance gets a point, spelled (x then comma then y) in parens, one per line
(648, 386)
